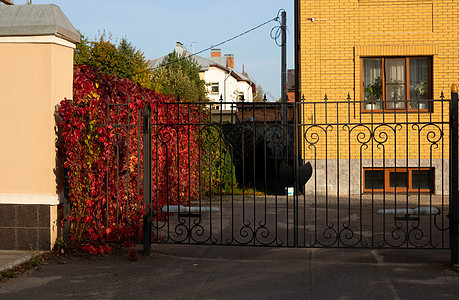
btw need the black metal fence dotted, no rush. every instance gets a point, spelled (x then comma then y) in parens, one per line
(235, 186)
(327, 174)
(380, 177)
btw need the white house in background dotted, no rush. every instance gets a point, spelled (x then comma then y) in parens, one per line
(218, 72)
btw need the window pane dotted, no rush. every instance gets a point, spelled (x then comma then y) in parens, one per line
(419, 82)
(374, 180)
(372, 83)
(395, 92)
(398, 179)
(214, 88)
(421, 179)
(395, 82)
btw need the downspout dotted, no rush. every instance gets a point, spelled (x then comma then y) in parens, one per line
(297, 109)
(224, 87)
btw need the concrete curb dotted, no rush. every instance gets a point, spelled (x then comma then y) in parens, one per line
(455, 267)
(11, 259)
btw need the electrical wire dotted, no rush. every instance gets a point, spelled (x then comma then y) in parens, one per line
(276, 32)
(212, 46)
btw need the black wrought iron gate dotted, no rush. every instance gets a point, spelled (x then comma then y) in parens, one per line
(334, 174)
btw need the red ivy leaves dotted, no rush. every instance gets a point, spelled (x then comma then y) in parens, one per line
(105, 175)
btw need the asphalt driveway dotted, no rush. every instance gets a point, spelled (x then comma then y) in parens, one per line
(229, 272)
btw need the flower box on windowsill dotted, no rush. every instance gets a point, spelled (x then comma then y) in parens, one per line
(421, 105)
(372, 106)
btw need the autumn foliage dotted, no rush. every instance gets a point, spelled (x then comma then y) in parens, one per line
(104, 161)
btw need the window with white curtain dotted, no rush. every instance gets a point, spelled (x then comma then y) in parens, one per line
(372, 83)
(398, 83)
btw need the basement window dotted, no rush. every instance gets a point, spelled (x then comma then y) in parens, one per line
(398, 179)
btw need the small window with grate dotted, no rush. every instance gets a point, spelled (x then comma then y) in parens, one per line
(398, 179)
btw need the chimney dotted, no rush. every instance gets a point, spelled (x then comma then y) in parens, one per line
(179, 48)
(243, 71)
(230, 60)
(215, 52)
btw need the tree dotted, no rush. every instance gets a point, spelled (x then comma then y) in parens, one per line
(122, 60)
(179, 76)
(133, 64)
(82, 51)
(259, 94)
(258, 97)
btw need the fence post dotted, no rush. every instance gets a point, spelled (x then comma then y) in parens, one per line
(296, 156)
(453, 165)
(147, 218)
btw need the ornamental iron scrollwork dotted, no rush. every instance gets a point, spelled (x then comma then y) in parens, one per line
(333, 209)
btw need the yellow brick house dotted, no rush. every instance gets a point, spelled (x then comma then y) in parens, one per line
(382, 65)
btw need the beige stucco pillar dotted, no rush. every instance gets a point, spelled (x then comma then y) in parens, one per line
(36, 73)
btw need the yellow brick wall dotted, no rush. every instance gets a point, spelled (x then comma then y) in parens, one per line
(343, 31)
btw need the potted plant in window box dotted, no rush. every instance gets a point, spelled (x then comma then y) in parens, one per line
(421, 90)
(373, 94)
(395, 95)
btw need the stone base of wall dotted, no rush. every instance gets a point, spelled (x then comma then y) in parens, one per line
(344, 176)
(27, 227)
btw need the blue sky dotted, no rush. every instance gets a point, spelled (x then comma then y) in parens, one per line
(155, 26)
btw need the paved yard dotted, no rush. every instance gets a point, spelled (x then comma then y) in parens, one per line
(223, 272)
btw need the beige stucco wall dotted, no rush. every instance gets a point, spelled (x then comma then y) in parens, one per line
(35, 75)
